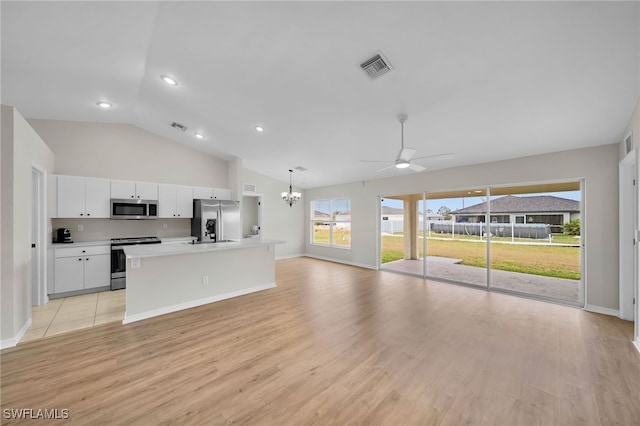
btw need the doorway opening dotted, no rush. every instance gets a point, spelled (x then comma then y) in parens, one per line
(251, 215)
(38, 237)
(628, 250)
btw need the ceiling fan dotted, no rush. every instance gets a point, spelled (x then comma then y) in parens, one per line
(403, 160)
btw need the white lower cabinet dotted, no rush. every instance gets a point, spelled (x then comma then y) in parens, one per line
(81, 268)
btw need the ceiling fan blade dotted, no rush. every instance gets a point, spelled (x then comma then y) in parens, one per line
(386, 168)
(448, 156)
(416, 167)
(406, 154)
(376, 161)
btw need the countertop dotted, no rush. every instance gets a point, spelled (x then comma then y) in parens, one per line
(152, 250)
(108, 242)
(80, 244)
(177, 239)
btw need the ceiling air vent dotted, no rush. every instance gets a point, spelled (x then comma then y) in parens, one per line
(179, 126)
(376, 66)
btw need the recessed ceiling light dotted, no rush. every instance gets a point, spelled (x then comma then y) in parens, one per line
(198, 135)
(169, 80)
(477, 191)
(104, 104)
(259, 129)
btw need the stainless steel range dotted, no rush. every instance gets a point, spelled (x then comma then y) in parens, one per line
(119, 260)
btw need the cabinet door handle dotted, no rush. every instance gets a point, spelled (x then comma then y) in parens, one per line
(80, 214)
(87, 258)
(80, 260)
(88, 214)
(84, 251)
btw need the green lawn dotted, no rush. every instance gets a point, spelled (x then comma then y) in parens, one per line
(547, 260)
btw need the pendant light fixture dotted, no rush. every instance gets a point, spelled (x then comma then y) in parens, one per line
(290, 197)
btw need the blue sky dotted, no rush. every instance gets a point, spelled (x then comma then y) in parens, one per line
(457, 203)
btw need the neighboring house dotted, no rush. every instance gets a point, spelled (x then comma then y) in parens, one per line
(392, 213)
(547, 209)
(393, 219)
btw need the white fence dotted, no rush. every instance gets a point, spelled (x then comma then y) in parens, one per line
(513, 230)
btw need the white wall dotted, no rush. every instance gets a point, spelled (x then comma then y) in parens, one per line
(124, 151)
(598, 166)
(21, 146)
(279, 221)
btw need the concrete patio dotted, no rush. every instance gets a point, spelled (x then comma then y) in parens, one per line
(560, 289)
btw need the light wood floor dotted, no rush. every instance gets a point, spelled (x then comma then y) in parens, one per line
(335, 344)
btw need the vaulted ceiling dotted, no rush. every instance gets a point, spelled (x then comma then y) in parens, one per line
(484, 81)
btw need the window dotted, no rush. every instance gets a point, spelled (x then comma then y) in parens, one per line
(331, 222)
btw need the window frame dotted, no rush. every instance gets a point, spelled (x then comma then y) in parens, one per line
(332, 221)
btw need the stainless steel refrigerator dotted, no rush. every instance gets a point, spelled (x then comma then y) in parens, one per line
(216, 221)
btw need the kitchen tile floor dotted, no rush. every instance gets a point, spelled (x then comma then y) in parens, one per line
(73, 313)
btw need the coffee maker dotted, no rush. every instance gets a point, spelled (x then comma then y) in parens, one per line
(63, 235)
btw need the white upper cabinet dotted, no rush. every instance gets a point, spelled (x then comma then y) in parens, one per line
(97, 197)
(71, 198)
(147, 191)
(124, 189)
(200, 193)
(184, 201)
(83, 197)
(175, 201)
(221, 194)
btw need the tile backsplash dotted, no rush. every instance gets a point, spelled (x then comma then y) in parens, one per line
(105, 229)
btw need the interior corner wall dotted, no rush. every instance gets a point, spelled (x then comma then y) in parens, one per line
(598, 166)
(279, 221)
(124, 151)
(21, 148)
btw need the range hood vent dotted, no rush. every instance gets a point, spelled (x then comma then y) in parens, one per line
(376, 66)
(179, 126)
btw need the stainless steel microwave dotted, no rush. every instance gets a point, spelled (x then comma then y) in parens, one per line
(134, 209)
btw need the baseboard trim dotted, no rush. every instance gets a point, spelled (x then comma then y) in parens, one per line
(601, 310)
(346, 262)
(289, 256)
(192, 304)
(636, 343)
(11, 342)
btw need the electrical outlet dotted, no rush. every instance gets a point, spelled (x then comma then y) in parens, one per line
(205, 279)
(164, 226)
(135, 263)
(80, 228)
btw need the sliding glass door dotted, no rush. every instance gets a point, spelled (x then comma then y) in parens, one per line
(456, 242)
(535, 241)
(529, 233)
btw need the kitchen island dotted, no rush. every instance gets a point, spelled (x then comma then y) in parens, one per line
(167, 278)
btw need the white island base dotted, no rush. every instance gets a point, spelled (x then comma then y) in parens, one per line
(163, 279)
